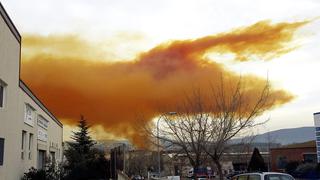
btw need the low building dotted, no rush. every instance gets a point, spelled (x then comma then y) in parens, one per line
(301, 152)
(29, 133)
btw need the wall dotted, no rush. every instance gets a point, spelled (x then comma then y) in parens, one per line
(290, 154)
(9, 73)
(54, 132)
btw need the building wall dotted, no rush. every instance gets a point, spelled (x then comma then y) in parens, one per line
(12, 114)
(316, 117)
(9, 121)
(53, 143)
(280, 156)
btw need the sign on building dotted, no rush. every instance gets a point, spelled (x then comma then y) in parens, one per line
(42, 122)
(29, 115)
(42, 135)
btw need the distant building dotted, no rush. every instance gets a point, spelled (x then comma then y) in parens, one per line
(29, 133)
(301, 152)
(316, 117)
(240, 160)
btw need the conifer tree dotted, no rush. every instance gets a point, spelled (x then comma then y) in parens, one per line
(83, 160)
(83, 141)
(80, 149)
(257, 162)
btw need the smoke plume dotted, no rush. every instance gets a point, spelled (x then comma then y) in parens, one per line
(72, 76)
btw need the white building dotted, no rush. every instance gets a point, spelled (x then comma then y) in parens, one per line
(316, 117)
(29, 133)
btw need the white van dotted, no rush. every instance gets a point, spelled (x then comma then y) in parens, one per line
(263, 176)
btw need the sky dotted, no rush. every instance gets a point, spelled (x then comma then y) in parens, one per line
(119, 30)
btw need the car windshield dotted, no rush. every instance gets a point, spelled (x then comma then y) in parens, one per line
(278, 177)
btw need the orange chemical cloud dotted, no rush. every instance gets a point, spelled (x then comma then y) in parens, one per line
(72, 77)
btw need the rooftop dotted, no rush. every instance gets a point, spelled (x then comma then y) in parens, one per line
(308, 144)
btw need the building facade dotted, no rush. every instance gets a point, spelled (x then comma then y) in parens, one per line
(301, 152)
(29, 134)
(316, 117)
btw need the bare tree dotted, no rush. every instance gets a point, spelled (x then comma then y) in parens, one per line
(183, 132)
(233, 113)
(187, 130)
(206, 121)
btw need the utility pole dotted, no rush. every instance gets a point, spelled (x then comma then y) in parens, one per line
(124, 158)
(158, 136)
(115, 164)
(269, 154)
(159, 156)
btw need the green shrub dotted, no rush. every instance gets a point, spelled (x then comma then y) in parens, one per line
(50, 172)
(34, 174)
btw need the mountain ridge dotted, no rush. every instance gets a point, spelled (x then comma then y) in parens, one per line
(284, 136)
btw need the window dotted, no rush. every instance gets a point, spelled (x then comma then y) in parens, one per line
(2, 93)
(1, 150)
(30, 140)
(285, 177)
(282, 162)
(30, 145)
(58, 154)
(278, 177)
(254, 177)
(29, 115)
(310, 157)
(23, 142)
(53, 157)
(273, 177)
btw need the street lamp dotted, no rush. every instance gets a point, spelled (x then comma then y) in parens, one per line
(159, 156)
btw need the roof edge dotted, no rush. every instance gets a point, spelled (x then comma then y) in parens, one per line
(279, 148)
(26, 89)
(9, 23)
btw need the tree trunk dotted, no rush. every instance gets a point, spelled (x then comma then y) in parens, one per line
(219, 167)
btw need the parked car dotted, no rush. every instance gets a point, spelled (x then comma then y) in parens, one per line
(263, 176)
(137, 177)
(201, 173)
